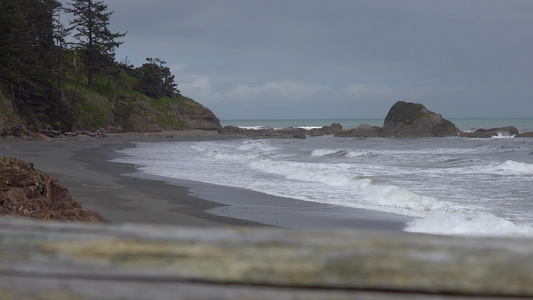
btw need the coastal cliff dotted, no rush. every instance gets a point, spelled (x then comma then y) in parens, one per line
(92, 113)
(139, 113)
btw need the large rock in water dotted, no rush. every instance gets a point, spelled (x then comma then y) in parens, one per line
(27, 192)
(326, 130)
(525, 134)
(488, 133)
(407, 119)
(363, 130)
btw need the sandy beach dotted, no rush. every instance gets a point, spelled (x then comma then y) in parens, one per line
(122, 195)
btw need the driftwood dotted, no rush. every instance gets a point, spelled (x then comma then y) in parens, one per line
(46, 260)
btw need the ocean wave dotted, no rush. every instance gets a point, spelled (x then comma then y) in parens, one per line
(254, 127)
(352, 154)
(354, 190)
(503, 135)
(339, 152)
(244, 152)
(513, 168)
(323, 152)
(510, 149)
(258, 146)
(477, 168)
(220, 153)
(447, 161)
(473, 224)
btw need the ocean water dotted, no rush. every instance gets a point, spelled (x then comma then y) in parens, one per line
(307, 124)
(453, 185)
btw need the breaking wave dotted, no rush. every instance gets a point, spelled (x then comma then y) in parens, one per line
(474, 224)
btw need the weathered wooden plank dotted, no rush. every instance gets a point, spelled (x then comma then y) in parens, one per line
(106, 261)
(76, 289)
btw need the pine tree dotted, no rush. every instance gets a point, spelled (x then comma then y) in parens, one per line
(156, 80)
(26, 56)
(60, 50)
(94, 39)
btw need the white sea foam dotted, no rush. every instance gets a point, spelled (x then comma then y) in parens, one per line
(323, 152)
(340, 152)
(475, 168)
(253, 127)
(351, 190)
(220, 154)
(352, 154)
(503, 135)
(258, 146)
(508, 167)
(513, 168)
(474, 224)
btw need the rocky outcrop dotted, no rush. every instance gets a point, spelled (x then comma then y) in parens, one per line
(10, 129)
(326, 130)
(363, 130)
(49, 134)
(194, 114)
(142, 114)
(528, 134)
(202, 118)
(10, 124)
(290, 132)
(27, 192)
(407, 119)
(244, 132)
(488, 133)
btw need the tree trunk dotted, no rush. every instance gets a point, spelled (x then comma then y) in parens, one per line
(90, 78)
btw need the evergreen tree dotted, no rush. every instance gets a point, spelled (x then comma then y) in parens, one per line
(26, 56)
(97, 43)
(156, 80)
(60, 35)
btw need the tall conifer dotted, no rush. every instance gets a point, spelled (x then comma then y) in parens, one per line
(94, 39)
(26, 60)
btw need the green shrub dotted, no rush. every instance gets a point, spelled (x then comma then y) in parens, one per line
(169, 121)
(91, 110)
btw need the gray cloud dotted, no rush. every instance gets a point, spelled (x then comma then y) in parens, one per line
(338, 59)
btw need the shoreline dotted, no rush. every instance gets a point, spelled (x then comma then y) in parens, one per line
(123, 195)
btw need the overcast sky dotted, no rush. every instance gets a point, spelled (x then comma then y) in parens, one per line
(278, 59)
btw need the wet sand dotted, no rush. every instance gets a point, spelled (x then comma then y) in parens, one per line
(122, 195)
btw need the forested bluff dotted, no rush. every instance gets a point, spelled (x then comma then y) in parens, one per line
(62, 78)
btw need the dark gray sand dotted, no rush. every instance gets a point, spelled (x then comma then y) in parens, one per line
(121, 194)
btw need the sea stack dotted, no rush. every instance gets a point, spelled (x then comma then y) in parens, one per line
(407, 119)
